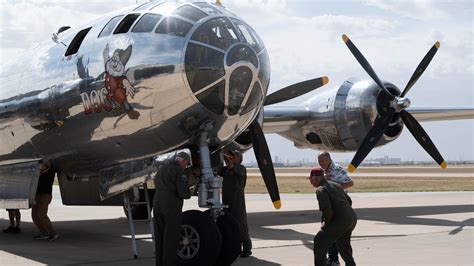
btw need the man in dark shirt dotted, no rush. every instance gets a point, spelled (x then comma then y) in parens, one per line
(39, 212)
(171, 189)
(339, 219)
(233, 186)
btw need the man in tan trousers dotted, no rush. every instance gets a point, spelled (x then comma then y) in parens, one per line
(39, 212)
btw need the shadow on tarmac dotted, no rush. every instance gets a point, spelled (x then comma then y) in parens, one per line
(259, 222)
(107, 241)
(394, 215)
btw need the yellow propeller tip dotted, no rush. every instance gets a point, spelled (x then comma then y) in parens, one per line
(443, 165)
(277, 204)
(345, 38)
(325, 80)
(437, 44)
(351, 168)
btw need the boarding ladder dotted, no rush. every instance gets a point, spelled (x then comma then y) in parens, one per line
(129, 204)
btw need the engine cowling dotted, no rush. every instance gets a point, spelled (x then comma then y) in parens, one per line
(343, 117)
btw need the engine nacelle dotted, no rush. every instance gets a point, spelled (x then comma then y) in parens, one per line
(342, 118)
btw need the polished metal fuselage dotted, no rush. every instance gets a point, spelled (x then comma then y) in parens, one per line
(58, 107)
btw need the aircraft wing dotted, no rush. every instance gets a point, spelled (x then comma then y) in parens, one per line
(279, 119)
(282, 118)
(423, 114)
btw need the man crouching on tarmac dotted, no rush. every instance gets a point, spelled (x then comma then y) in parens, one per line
(338, 219)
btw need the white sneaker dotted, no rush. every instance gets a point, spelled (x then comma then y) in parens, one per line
(53, 237)
(41, 237)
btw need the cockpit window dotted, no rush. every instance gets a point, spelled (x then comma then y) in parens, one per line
(174, 26)
(126, 23)
(250, 36)
(109, 27)
(190, 13)
(208, 8)
(239, 84)
(217, 32)
(76, 42)
(203, 66)
(146, 23)
(213, 98)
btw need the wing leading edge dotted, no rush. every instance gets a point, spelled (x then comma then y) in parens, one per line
(279, 119)
(425, 114)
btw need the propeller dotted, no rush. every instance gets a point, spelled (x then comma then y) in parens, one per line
(295, 90)
(264, 160)
(390, 106)
(260, 147)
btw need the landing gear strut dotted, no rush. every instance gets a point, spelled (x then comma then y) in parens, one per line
(208, 238)
(210, 185)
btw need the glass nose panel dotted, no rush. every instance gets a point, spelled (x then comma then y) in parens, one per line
(217, 32)
(250, 35)
(203, 66)
(213, 98)
(238, 87)
(264, 73)
(241, 53)
(254, 98)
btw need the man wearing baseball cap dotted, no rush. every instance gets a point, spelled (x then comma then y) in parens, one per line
(335, 173)
(171, 189)
(233, 195)
(338, 219)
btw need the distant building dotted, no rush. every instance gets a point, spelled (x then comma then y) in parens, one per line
(383, 161)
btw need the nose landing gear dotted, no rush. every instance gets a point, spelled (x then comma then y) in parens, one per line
(211, 237)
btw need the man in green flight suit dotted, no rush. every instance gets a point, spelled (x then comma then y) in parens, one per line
(233, 186)
(171, 189)
(339, 219)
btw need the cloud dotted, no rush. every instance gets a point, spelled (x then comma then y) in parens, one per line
(25, 23)
(305, 46)
(425, 9)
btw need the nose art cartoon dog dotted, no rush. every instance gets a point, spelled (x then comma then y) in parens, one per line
(116, 82)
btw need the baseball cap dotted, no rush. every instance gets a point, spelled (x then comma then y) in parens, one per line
(235, 153)
(318, 171)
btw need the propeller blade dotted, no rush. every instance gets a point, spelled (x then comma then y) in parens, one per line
(295, 90)
(380, 125)
(421, 68)
(264, 160)
(365, 64)
(422, 137)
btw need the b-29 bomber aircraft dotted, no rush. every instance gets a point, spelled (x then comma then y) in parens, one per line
(107, 101)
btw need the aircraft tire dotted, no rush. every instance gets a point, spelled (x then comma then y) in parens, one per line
(231, 239)
(200, 240)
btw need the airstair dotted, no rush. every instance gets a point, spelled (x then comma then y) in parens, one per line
(129, 203)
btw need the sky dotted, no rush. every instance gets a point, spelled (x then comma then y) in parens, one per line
(303, 38)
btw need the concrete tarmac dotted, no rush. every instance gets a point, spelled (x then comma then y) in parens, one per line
(430, 228)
